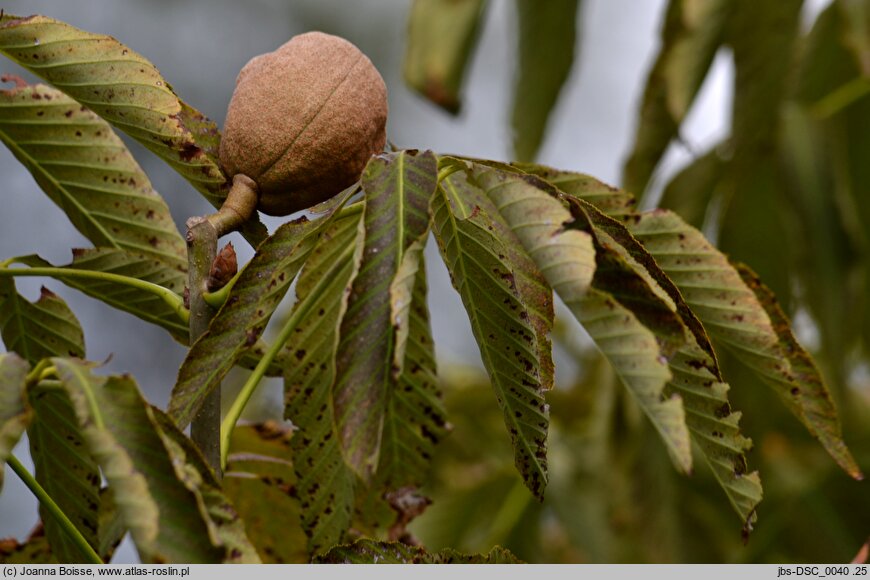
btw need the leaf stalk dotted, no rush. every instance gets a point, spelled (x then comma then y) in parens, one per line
(174, 301)
(45, 499)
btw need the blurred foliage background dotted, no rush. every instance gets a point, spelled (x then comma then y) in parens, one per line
(786, 191)
(771, 158)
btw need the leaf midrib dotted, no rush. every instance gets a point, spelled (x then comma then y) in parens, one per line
(472, 312)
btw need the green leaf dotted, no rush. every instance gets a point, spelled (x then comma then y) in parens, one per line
(127, 91)
(829, 65)
(757, 208)
(325, 483)
(546, 54)
(15, 412)
(239, 323)
(831, 263)
(262, 486)
(530, 282)
(142, 304)
(694, 188)
(398, 188)
(415, 419)
(65, 470)
(414, 423)
(825, 145)
(692, 33)
(41, 329)
(373, 552)
(616, 203)
(762, 35)
(162, 498)
(441, 37)
(485, 262)
(85, 169)
(735, 317)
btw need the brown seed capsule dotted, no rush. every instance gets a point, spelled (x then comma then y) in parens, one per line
(304, 120)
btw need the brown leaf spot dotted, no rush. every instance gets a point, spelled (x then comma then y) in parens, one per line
(189, 151)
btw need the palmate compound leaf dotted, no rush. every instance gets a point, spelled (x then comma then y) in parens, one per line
(41, 329)
(398, 188)
(166, 495)
(567, 258)
(373, 552)
(547, 31)
(737, 318)
(325, 484)
(86, 170)
(510, 309)
(442, 35)
(693, 32)
(239, 323)
(15, 412)
(127, 91)
(682, 257)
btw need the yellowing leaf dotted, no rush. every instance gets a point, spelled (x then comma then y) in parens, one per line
(262, 486)
(126, 90)
(140, 303)
(736, 318)
(609, 200)
(85, 169)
